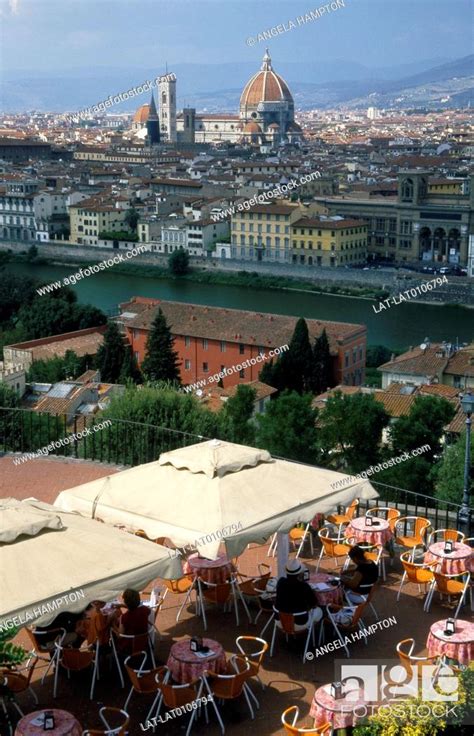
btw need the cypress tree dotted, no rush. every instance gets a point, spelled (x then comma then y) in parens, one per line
(297, 363)
(161, 361)
(321, 372)
(111, 354)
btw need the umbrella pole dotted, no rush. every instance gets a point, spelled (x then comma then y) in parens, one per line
(283, 550)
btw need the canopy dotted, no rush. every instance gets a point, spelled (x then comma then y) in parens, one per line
(211, 490)
(48, 555)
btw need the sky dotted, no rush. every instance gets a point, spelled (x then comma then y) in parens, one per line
(55, 35)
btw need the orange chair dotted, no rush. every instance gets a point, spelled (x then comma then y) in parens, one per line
(415, 538)
(293, 730)
(143, 681)
(186, 584)
(252, 586)
(410, 662)
(230, 686)
(74, 660)
(413, 572)
(333, 547)
(16, 682)
(342, 629)
(247, 646)
(44, 644)
(386, 512)
(221, 594)
(345, 518)
(285, 622)
(178, 696)
(105, 714)
(128, 644)
(298, 537)
(450, 585)
(443, 535)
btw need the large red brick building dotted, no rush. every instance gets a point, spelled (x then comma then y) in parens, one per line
(209, 339)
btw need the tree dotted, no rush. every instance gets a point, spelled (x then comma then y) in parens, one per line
(111, 354)
(292, 371)
(130, 370)
(10, 420)
(377, 355)
(10, 654)
(161, 361)
(424, 425)
(14, 292)
(178, 262)
(236, 416)
(32, 253)
(56, 313)
(288, 428)
(449, 482)
(351, 427)
(131, 218)
(321, 368)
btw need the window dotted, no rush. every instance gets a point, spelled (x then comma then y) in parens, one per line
(223, 345)
(205, 344)
(205, 367)
(261, 350)
(346, 359)
(242, 373)
(379, 224)
(137, 356)
(241, 349)
(187, 341)
(187, 365)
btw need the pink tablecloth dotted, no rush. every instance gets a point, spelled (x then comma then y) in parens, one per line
(339, 713)
(459, 646)
(211, 571)
(459, 560)
(66, 724)
(379, 534)
(186, 666)
(333, 595)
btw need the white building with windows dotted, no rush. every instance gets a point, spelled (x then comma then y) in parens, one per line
(17, 214)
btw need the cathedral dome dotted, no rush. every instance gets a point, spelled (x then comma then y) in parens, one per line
(265, 86)
(141, 115)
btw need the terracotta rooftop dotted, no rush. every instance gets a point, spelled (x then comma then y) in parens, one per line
(417, 362)
(232, 325)
(83, 342)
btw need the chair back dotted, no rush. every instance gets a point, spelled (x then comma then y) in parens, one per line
(443, 581)
(446, 534)
(421, 525)
(180, 585)
(75, 659)
(350, 510)
(231, 685)
(142, 680)
(256, 644)
(291, 728)
(415, 572)
(405, 656)
(36, 638)
(329, 543)
(175, 696)
(412, 526)
(215, 592)
(131, 643)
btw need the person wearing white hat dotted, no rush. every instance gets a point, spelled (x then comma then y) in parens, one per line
(294, 595)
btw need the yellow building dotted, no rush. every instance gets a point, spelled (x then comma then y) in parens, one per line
(91, 217)
(331, 242)
(263, 232)
(446, 186)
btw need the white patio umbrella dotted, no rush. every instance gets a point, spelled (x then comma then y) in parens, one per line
(53, 560)
(214, 488)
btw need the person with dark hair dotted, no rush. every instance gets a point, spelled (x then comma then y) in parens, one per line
(294, 595)
(135, 619)
(359, 582)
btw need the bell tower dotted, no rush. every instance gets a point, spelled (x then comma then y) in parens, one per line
(167, 106)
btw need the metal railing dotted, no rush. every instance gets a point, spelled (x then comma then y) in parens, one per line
(130, 443)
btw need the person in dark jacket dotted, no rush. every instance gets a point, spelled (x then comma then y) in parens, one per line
(294, 595)
(359, 582)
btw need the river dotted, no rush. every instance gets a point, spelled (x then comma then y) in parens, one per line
(397, 327)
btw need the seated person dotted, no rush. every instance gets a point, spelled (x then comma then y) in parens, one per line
(359, 582)
(135, 619)
(65, 620)
(293, 595)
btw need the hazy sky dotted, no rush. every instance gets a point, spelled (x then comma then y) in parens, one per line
(73, 34)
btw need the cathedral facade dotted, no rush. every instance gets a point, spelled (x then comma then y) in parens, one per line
(265, 117)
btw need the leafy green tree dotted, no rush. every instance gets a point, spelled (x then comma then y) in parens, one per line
(161, 361)
(10, 420)
(321, 364)
(32, 254)
(111, 354)
(377, 355)
(449, 481)
(351, 428)
(178, 262)
(58, 368)
(236, 416)
(10, 654)
(131, 218)
(56, 313)
(424, 425)
(288, 428)
(14, 292)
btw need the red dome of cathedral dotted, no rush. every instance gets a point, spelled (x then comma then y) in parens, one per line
(141, 115)
(265, 86)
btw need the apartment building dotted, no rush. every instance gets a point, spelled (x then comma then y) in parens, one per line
(328, 241)
(17, 214)
(209, 339)
(263, 233)
(93, 216)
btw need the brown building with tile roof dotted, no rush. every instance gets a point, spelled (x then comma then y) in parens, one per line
(82, 342)
(437, 363)
(208, 339)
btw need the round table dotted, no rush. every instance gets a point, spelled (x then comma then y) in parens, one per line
(459, 646)
(186, 666)
(211, 571)
(333, 593)
(461, 559)
(379, 534)
(65, 724)
(339, 713)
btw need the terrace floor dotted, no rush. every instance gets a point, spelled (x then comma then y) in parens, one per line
(288, 680)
